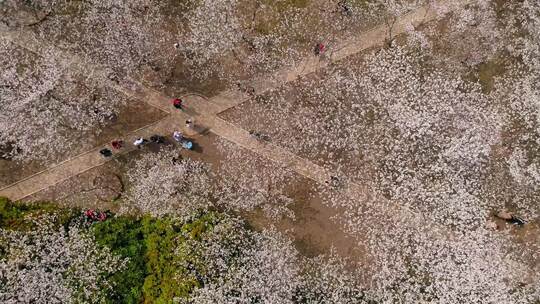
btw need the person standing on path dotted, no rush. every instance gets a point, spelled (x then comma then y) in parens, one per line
(117, 144)
(177, 103)
(189, 123)
(139, 142)
(105, 152)
(320, 49)
(158, 139)
(177, 135)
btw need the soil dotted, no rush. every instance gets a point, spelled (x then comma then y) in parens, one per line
(98, 188)
(314, 229)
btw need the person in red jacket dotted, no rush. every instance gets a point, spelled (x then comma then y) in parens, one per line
(117, 144)
(177, 103)
(320, 49)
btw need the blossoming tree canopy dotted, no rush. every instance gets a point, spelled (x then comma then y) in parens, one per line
(45, 105)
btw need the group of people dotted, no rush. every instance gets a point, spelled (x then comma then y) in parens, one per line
(158, 139)
(141, 141)
(92, 215)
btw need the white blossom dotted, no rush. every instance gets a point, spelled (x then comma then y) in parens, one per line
(51, 264)
(166, 183)
(44, 106)
(248, 181)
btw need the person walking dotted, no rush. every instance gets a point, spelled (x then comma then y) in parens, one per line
(334, 182)
(177, 103)
(117, 144)
(189, 123)
(345, 8)
(105, 152)
(177, 135)
(158, 139)
(139, 142)
(320, 49)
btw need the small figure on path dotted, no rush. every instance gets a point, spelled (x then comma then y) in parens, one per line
(254, 134)
(92, 215)
(518, 221)
(511, 218)
(334, 182)
(250, 90)
(177, 135)
(259, 136)
(345, 7)
(177, 103)
(113, 77)
(117, 144)
(139, 142)
(189, 123)
(320, 49)
(186, 144)
(176, 160)
(158, 139)
(105, 152)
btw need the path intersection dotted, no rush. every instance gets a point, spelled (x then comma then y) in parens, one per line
(205, 111)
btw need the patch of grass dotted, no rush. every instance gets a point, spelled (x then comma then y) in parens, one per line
(486, 72)
(160, 252)
(164, 263)
(268, 14)
(125, 237)
(152, 274)
(265, 28)
(14, 216)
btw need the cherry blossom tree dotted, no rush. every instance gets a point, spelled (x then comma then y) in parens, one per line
(242, 266)
(425, 140)
(130, 38)
(330, 279)
(49, 264)
(257, 266)
(248, 181)
(45, 106)
(478, 265)
(468, 34)
(25, 13)
(413, 123)
(166, 183)
(236, 40)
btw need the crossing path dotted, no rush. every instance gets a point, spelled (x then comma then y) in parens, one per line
(205, 110)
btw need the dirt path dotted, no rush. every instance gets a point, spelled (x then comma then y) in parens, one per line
(74, 166)
(205, 110)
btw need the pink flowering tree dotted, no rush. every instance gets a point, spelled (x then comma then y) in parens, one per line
(247, 181)
(131, 38)
(167, 184)
(49, 264)
(46, 107)
(239, 265)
